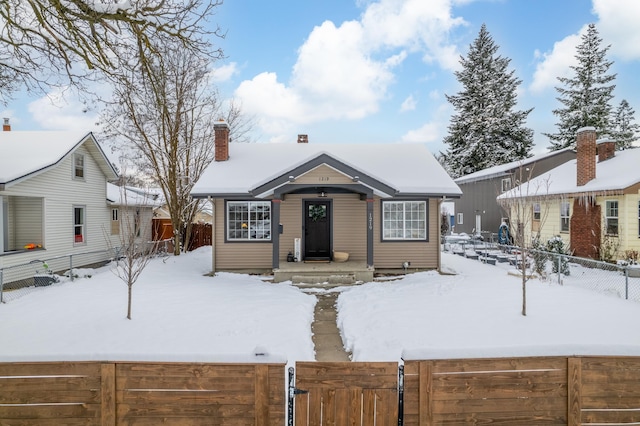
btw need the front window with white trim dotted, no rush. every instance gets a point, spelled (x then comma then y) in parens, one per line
(611, 217)
(564, 216)
(79, 225)
(248, 220)
(404, 220)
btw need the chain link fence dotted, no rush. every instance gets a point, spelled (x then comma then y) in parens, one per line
(618, 280)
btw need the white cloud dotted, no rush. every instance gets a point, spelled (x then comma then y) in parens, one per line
(224, 73)
(429, 132)
(555, 64)
(618, 26)
(345, 71)
(61, 110)
(409, 104)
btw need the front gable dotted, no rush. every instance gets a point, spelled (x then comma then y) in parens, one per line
(319, 172)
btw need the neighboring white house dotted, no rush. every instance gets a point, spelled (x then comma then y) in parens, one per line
(53, 196)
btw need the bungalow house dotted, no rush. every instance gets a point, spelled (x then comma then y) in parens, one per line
(305, 202)
(476, 211)
(592, 202)
(52, 196)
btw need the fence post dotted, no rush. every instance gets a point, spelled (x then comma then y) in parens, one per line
(559, 269)
(1, 286)
(71, 267)
(626, 284)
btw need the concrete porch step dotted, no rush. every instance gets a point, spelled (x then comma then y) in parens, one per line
(338, 279)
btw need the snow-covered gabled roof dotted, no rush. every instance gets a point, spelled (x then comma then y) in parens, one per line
(612, 175)
(26, 153)
(507, 168)
(126, 196)
(409, 169)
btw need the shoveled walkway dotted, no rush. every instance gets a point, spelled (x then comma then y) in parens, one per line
(326, 336)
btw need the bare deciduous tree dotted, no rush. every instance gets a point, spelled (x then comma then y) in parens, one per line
(132, 241)
(518, 204)
(163, 112)
(52, 42)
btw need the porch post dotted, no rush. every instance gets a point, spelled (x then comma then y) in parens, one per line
(370, 231)
(275, 233)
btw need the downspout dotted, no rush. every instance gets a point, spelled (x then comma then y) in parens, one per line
(213, 235)
(439, 233)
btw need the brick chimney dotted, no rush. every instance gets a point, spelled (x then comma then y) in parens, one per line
(606, 149)
(221, 134)
(303, 139)
(586, 155)
(6, 127)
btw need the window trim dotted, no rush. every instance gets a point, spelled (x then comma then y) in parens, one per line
(505, 184)
(247, 240)
(115, 221)
(78, 167)
(82, 225)
(567, 217)
(404, 203)
(460, 218)
(607, 209)
(538, 213)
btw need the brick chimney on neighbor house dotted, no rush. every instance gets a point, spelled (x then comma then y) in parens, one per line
(606, 149)
(221, 135)
(586, 155)
(303, 139)
(6, 127)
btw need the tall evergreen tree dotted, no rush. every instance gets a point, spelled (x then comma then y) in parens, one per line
(485, 130)
(586, 96)
(624, 131)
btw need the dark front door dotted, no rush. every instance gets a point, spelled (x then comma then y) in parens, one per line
(317, 230)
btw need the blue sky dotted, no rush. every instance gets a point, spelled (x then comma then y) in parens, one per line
(378, 71)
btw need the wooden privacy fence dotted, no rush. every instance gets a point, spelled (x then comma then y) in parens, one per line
(109, 394)
(512, 391)
(523, 391)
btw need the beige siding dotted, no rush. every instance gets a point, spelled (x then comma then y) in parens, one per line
(237, 255)
(291, 219)
(350, 226)
(629, 232)
(391, 254)
(323, 175)
(29, 221)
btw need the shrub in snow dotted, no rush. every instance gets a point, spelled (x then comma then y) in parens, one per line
(540, 256)
(555, 245)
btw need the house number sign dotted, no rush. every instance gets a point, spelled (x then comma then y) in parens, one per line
(323, 179)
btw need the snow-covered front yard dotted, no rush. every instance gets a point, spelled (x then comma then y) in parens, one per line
(181, 315)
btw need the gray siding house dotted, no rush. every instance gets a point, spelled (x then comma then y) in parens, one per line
(378, 202)
(477, 211)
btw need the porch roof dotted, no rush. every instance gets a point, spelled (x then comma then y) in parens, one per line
(388, 169)
(26, 153)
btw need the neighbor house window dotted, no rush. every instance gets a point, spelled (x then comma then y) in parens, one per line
(404, 220)
(460, 218)
(611, 217)
(505, 184)
(536, 212)
(78, 166)
(564, 216)
(79, 224)
(249, 220)
(115, 222)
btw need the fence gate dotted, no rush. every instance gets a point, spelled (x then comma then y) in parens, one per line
(345, 393)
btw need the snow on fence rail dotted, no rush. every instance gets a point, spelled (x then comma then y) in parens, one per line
(612, 279)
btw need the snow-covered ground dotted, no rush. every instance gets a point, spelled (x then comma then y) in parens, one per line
(181, 315)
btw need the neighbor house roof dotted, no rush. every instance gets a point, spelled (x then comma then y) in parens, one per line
(27, 153)
(507, 168)
(255, 169)
(121, 196)
(612, 176)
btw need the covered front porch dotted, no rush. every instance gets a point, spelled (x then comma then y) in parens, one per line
(332, 273)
